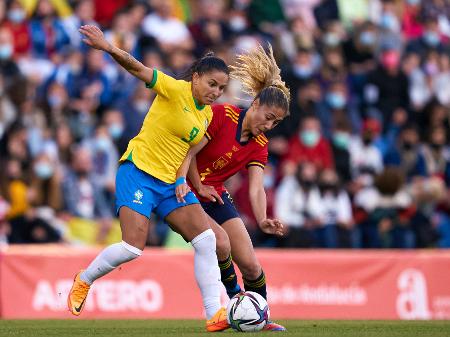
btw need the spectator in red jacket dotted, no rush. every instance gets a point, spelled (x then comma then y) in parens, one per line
(308, 145)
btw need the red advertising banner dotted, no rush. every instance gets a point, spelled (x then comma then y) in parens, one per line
(302, 284)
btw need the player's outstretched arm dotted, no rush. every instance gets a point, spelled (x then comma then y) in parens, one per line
(94, 37)
(258, 201)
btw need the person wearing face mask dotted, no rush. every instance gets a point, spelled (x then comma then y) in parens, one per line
(302, 69)
(134, 108)
(334, 216)
(337, 105)
(429, 40)
(387, 86)
(8, 68)
(359, 50)
(296, 204)
(340, 144)
(114, 121)
(17, 23)
(364, 154)
(308, 145)
(437, 155)
(105, 157)
(407, 153)
(26, 227)
(48, 35)
(46, 184)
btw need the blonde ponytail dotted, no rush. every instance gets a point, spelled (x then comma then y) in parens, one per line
(257, 71)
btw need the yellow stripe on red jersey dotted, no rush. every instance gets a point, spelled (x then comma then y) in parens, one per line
(224, 155)
(173, 124)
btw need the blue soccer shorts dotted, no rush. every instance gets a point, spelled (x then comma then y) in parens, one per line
(221, 213)
(145, 194)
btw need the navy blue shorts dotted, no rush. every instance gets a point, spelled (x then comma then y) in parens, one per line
(221, 213)
(145, 194)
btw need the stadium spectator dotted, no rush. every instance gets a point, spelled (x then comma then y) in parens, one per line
(365, 156)
(169, 31)
(333, 218)
(296, 205)
(48, 35)
(82, 195)
(18, 25)
(308, 145)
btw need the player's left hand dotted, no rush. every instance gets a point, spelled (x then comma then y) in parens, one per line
(272, 226)
(181, 191)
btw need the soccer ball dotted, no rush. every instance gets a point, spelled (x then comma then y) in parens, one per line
(248, 311)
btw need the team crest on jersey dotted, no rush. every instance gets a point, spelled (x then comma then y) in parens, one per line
(220, 163)
(138, 195)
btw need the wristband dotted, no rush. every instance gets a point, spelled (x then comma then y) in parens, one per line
(180, 181)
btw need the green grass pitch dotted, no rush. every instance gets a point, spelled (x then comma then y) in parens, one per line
(187, 328)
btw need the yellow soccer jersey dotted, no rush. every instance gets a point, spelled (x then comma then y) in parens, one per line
(174, 123)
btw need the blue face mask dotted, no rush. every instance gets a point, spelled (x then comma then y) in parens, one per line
(55, 101)
(43, 170)
(431, 38)
(336, 100)
(331, 39)
(303, 71)
(6, 51)
(309, 137)
(115, 130)
(341, 139)
(102, 144)
(367, 38)
(16, 15)
(389, 21)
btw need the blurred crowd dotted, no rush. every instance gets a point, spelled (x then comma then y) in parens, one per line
(363, 161)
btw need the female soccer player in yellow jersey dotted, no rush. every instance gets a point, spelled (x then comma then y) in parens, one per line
(145, 182)
(235, 140)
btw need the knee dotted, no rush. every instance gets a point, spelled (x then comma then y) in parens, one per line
(251, 271)
(223, 247)
(131, 252)
(204, 242)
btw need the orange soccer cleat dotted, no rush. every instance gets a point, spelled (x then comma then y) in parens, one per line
(218, 322)
(77, 295)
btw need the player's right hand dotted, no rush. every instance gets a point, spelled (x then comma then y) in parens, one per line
(210, 193)
(94, 37)
(181, 191)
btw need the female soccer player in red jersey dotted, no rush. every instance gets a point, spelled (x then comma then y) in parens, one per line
(235, 140)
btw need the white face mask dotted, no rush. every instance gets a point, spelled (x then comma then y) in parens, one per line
(141, 106)
(238, 23)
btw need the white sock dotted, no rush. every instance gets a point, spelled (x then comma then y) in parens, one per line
(207, 272)
(108, 259)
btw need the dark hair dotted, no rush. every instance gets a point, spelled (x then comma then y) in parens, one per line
(204, 65)
(274, 96)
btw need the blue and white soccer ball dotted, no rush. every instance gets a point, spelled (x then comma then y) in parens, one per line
(248, 311)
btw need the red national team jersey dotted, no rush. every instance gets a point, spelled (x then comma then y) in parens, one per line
(224, 155)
